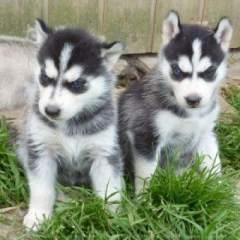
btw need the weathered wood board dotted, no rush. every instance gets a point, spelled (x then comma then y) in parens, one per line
(128, 21)
(136, 22)
(16, 15)
(189, 11)
(215, 9)
(82, 13)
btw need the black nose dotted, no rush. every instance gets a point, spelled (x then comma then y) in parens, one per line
(52, 111)
(193, 100)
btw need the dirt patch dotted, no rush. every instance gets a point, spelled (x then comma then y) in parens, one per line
(11, 223)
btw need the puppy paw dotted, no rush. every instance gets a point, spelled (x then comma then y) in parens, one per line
(33, 219)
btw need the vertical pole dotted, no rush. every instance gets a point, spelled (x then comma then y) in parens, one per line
(202, 12)
(45, 10)
(152, 24)
(101, 15)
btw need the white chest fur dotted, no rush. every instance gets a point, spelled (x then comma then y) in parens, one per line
(185, 132)
(72, 147)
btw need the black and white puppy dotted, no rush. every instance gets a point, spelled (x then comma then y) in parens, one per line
(70, 129)
(174, 108)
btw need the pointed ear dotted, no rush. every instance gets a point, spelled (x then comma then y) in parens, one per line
(223, 33)
(171, 27)
(42, 31)
(111, 53)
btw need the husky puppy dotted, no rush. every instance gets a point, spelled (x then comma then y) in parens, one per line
(174, 108)
(70, 129)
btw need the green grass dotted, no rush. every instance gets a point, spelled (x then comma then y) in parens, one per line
(190, 206)
(232, 94)
(193, 205)
(12, 181)
(229, 131)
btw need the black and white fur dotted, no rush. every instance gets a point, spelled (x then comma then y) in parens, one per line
(174, 108)
(70, 129)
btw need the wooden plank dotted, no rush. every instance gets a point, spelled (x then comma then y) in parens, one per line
(83, 13)
(101, 15)
(128, 21)
(215, 9)
(45, 10)
(189, 11)
(15, 15)
(138, 23)
(152, 24)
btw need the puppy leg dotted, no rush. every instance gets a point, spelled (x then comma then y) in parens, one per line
(208, 147)
(106, 180)
(144, 168)
(41, 181)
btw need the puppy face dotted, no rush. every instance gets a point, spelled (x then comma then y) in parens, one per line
(193, 60)
(73, 72)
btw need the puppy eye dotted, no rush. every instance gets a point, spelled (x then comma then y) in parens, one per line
(45, 80)
(177, 72)
(77, 86)
(209, 74)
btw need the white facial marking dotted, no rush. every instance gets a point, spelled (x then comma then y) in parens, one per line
(203, 65)
(69, 103)
(61, 96)
(197, 51)
(45, 98)
(65, 56)
(194, 84)
(50, 68)
(185, 64)
(198, 64)
(73, 73)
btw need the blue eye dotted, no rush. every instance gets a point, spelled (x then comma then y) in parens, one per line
(209, 74)
(176, 70)
(78, 83)
(77, 86)
(45, 80)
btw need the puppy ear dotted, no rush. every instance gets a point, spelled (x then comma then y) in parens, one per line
(42, 31)
(171, 27)
(223, 33)
(111, 53)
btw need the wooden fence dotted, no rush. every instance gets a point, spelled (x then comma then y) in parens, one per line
(136, 22)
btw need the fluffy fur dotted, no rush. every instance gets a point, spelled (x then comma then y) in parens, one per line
(174, 108)
(70, 129)
(17, 62)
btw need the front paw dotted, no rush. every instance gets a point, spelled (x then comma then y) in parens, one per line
(113, 202)
(34, 218)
